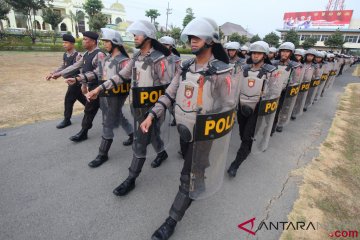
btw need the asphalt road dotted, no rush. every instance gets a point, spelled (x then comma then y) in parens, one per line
(47, 191)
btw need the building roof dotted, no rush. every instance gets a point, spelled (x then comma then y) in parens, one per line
(117, 6)
(322, 30)
(229, 28)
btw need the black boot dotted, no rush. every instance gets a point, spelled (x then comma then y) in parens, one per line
(165, 231)
(64, 123)
(240, 157)
(129, 184)
(293, 118)
(124, 188)
(80, 136)
(279, 129)
(162, 156)
(103, 153)
(129, 141)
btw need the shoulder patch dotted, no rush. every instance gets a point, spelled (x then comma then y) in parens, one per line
(294, 64)
(219, 66)
(268, 67)
(187, 63)
(156, 56)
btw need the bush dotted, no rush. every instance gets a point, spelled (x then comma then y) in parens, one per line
(184, 50)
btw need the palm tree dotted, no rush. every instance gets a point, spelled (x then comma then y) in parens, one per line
(75, 18)
(152, 14)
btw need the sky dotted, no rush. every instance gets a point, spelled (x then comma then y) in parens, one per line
(257, 16)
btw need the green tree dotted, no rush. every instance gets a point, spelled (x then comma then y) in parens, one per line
(153, 14)
(272, 39)
(335, 40)
(292, 36)
(52, 18)
(97, 21)
(28, 8)
(255, 38)
(235, 37)
(4, 10)
(175, 33)
(188, 17)
(309, 43)
(93, 7)
(75, 18)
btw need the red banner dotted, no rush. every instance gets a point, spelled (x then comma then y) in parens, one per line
(319, 19)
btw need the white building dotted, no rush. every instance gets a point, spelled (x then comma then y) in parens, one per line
(115, 15)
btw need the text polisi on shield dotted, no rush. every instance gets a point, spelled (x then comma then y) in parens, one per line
(213, 126)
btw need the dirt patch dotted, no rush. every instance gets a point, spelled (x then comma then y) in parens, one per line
(25, 96)
(330, 191)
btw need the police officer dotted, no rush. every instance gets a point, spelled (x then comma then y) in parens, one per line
(332, 73)
(308, 68)
(315, 78)
(254, 78)
(111, 102)
(299, 55)
(204, 85)
(290, 72)
(148, 69)
(325, 68)
(73, 92)
(244, 50)
(87, 63)
(272, 53)
(174, 61)
(233, 51)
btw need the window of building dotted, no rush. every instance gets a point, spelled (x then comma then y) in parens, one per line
(351, 39)
(324, 38)
(63, 27)
(303, 37)
(118, 20)
(57, 11)
(317, 37)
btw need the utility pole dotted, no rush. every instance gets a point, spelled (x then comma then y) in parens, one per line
(168, 11)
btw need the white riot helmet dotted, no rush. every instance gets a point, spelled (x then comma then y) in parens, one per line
(319, 54)
(143, 27)
(204, 28)
(311, 51)
(259, 46)
(272, 50)
(167, 41)
(244, 48)
(111, 35)
(287, 46)
(300, 52)
(233, 46)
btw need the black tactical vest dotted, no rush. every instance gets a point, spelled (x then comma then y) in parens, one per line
(88, 66)
(68, 61)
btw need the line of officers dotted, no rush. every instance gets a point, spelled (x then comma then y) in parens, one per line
(202, 96)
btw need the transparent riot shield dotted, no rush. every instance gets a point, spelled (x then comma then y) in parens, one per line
(142, 99)
(266, 114)
(291, 94)
(323, 80)
(212, 133)
(314, 86)
(304, 90)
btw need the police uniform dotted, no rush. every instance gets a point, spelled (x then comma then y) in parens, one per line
(73, 92)
(87, 63)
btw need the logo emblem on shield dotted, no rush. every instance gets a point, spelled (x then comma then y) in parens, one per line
(251, 83)
(189, 91)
